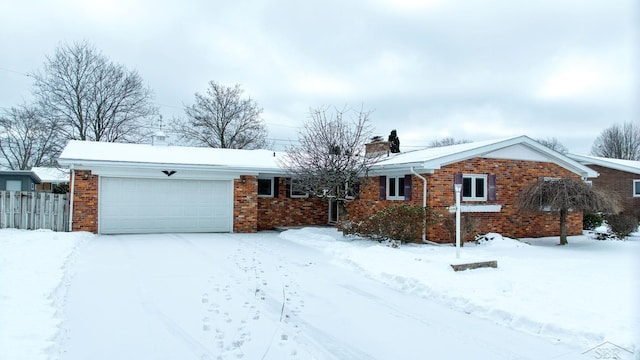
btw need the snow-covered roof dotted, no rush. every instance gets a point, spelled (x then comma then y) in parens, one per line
(104, 153)
(630, 166)
(51, 175)
(28, 173)
(515, 148)
(89, 153)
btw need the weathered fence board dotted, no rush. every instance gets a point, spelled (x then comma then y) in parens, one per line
(33, 210)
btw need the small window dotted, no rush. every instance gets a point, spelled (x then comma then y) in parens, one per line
(296, 190)
(14, 185)
(265, 187)
(474, 187)
(636, 188)
(395, 188)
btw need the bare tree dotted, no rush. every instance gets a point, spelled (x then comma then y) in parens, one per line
(27, 139)
(448, 141)
(560, 195)
(618, 142)
(330, 161)
(223, 119)
(553, 144)
(93, 98)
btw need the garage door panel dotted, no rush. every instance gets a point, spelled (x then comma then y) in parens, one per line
(154, 206)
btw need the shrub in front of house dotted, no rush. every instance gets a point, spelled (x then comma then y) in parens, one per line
(61, 188)
(591, 221)
(468, 226)
(622, 225)
(399, 222)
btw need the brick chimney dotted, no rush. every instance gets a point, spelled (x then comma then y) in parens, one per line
(377, 146)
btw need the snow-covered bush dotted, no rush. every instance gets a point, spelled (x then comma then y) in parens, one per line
(399, 222)
(622, 225)
(591, 221)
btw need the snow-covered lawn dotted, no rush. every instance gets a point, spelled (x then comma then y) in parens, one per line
(312, 293)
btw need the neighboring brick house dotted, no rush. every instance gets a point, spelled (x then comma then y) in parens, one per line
(137, 188)
(620, 177)
(492, 174)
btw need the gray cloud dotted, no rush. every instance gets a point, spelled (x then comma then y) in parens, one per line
(473, 70)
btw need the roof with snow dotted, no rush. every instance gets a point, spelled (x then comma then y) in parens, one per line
(515, 148)
(89, 153)
(105, 153)
(51, 175)
(630, 166)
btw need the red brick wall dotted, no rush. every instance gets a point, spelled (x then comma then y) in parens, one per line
(85, 202)
(245, 204)
(619, 183)
(511, 176)
(285, 211)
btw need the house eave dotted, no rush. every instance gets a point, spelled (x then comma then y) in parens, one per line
(131, 166)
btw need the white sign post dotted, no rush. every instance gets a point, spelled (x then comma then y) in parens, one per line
(458, 189)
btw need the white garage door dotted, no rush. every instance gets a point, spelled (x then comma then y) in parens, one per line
(160, 206)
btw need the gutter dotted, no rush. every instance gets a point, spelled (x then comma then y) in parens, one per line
(73, 182)
(424, 206)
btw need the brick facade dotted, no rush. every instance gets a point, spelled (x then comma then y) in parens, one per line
(85, 201)
(245, 204)
(282, 210)
(619, 183)
(250, 213)
(511, 176)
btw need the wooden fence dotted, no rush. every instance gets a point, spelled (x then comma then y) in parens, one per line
(34, 210)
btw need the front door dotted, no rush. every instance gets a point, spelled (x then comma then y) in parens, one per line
(333, 212)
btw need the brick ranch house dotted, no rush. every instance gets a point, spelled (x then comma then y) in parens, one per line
(492, 174)
(140, 188)
(136, 188)
(621, 177)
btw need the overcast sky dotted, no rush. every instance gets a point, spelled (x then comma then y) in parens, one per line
(429, 68)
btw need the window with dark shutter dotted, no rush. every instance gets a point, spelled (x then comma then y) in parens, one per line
(408, 186)
(492, 187)
(383, 187)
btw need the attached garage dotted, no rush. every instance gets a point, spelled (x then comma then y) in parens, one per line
(142, 205)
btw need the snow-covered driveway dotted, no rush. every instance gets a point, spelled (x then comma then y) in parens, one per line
(259, 296)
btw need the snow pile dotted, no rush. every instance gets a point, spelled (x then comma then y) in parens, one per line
(583, 293)
(32, 273)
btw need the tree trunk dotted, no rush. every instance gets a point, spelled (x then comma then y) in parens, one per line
(563, 227)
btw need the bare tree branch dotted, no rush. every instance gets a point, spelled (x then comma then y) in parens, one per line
(93, 98)
(223, 119)
(618, 142)
(448, 141)
(28, 139)
(330, 160)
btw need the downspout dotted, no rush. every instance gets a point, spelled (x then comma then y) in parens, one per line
(424, 206)
(73, 182)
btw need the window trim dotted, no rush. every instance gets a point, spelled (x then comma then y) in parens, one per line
(633, 189)
(397, 186)
(291, 191)
(271, 180)
(473, 178)
(13, 182)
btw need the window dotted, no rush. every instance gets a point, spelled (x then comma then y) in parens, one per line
(265, 187)
(296, 190)
(395, 188)
(474, 187)
(636, 188)
(14, 185)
